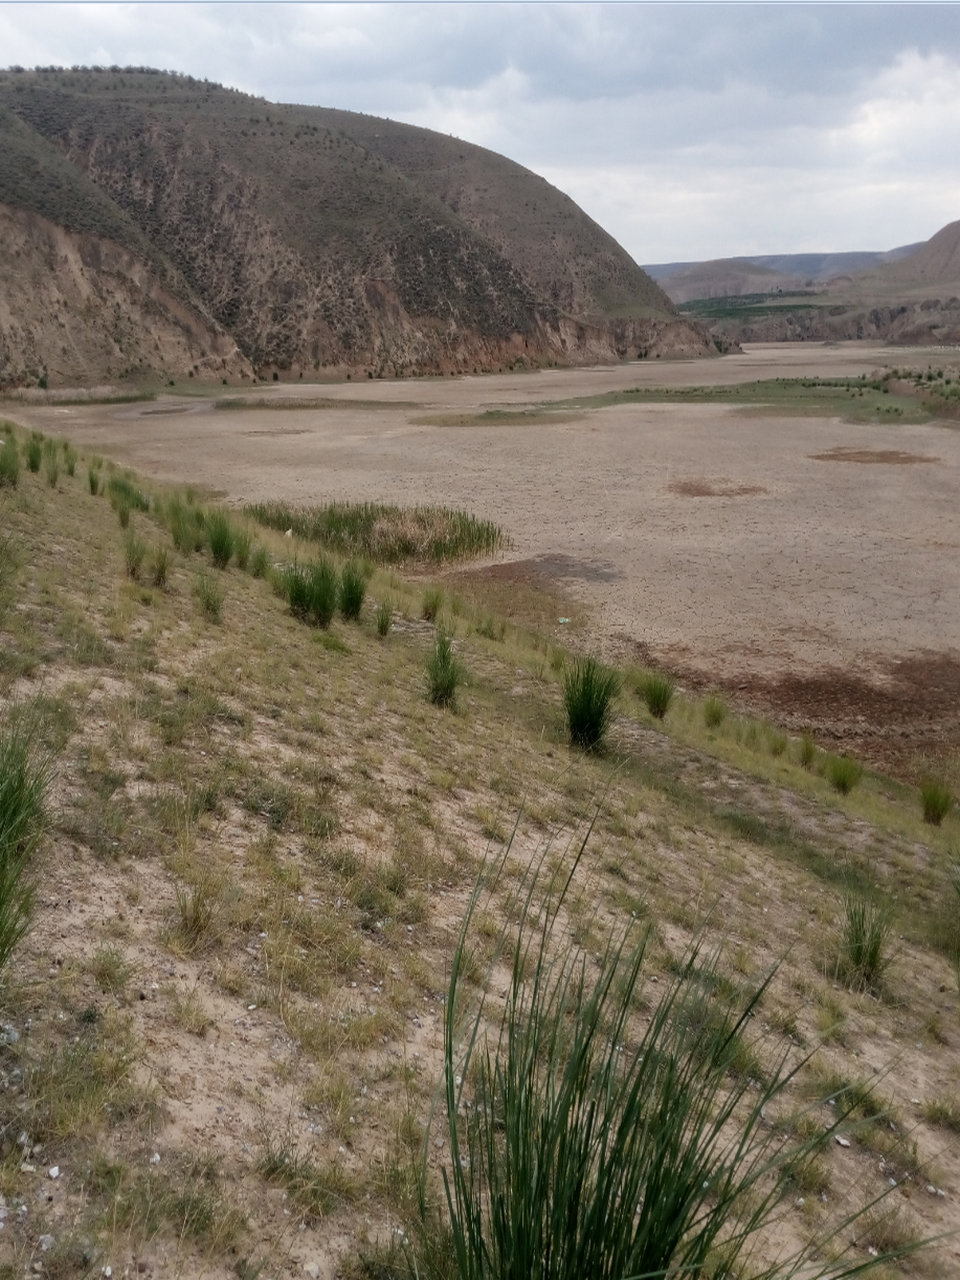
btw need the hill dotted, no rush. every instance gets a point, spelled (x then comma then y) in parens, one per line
(909, 296)
(173, 225)
(221, 1041)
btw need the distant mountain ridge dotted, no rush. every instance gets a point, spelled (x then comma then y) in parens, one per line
(152, 222)
(909, 295)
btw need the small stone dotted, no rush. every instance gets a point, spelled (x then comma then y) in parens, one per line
(46, 1242)
(54, 1171)
(842, 1142)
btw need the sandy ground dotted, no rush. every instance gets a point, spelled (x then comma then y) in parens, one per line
(742, 548)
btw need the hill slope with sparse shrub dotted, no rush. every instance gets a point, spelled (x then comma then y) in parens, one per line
(155, 223)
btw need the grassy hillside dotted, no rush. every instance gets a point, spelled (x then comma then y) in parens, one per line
(318, 238)
(221, 1042)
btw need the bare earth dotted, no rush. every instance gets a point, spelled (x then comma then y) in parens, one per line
(771, 555)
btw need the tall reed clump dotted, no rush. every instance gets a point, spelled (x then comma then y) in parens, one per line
(444, 671)
(863, 955)
(585, 1141)
(34, 451)
(936, 800)
(353, 589)
(25, 775)
(311, 590)
(186, 524)
(589, 690)
(220, 538)
(9, 462)
(843, 773)
(51, 462)
(657, 689)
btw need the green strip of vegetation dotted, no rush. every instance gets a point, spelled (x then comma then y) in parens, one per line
(385, 533)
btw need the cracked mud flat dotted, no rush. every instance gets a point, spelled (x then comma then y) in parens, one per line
(807, 565)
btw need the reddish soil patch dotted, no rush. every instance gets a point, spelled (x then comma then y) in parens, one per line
(890, 457)
(711, 489)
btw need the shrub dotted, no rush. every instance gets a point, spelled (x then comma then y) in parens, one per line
(714, 712)
(657, 690)
(353, 588)
(384, 618)
(936, 799)
(25, 776)
(843, 773)
(588, 693)
(210, 596)
(9, 462)
(863, 957)
(134, 550)
(432, 604)
(220, 537)
(585, 1144)
(444, 672)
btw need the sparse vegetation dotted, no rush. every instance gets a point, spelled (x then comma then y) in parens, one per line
(432, 604)
(210, 595)
(714, 712)
(589, 690)
(9, 462)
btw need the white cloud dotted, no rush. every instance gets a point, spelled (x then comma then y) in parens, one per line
(687, 130)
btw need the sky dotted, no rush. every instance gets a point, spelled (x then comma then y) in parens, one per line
(688, 131)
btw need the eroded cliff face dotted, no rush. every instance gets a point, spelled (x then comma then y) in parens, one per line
(929, 322)
(75, 309)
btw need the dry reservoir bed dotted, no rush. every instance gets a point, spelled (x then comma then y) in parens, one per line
(810, 564)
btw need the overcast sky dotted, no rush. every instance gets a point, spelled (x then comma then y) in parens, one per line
(687, 131)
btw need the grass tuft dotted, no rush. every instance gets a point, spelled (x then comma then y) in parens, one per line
(384, 617)
(25, 777)
(588, 693)
(863, 957)
(9, 462)
(936, 799)
(353, 589)
(714, 712)
(210, 596)
(657, 691)
(584, 1144)
(842, 772)
(444, 671)
(220, 537)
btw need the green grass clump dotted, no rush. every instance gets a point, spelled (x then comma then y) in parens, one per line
(210, 596)
(93, 479)
(863, 957)
(259, 561)
(25, 777)
(583, 1143)
(842, 772)
(353, 589)
(220, 538)
(385, 533)
(51, 463)
(242, 547)
(34, 451)
(161, 565)
(657, 691)
(134, 552)
(311, 590)
(936, 799)
(9, 462)
(123, 493)
(431, 604)
(186, 524)
(384, 617)
(588, 693)
(714, 712)
(444, 671)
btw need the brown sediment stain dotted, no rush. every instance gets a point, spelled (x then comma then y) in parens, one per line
(700, 488)
(888, 457)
